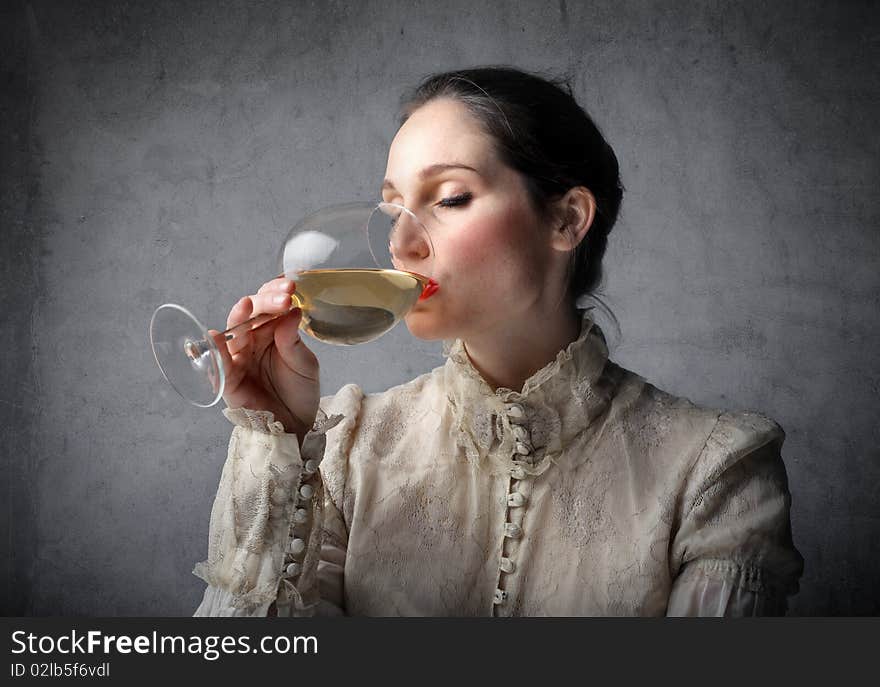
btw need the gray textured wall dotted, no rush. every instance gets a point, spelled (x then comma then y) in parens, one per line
(157, 151)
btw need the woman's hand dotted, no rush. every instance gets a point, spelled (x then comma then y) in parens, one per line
(270, 368)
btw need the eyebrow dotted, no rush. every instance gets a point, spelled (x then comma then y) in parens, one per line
(432, 170)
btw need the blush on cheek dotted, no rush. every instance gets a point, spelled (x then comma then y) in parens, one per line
(499, 250)
(474, 242)
(485, 243)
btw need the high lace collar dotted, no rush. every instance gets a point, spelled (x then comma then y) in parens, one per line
(529, 429)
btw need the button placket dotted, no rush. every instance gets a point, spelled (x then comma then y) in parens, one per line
(521, 433)
(512, 530)
(299, 530)
(296, 546)
(518, 490)
(507, 565)
(515, 413)
(305, 493)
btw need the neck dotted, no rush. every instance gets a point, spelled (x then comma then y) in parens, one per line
(508, 355)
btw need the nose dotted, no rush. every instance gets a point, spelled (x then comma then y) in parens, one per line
(410, 244)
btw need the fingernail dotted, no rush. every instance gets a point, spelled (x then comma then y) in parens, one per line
(285, 285)
(280, 298)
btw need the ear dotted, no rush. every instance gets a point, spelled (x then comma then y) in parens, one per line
(576, 211)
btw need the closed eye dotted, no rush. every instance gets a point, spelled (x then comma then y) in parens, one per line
(454, 201)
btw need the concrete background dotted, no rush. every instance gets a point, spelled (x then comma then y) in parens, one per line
(158, 151)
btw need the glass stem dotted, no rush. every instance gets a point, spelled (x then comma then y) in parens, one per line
(256, 321)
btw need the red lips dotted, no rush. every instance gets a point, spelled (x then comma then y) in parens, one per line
(430, 289)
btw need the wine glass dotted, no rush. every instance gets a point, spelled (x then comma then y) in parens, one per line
(359, 268)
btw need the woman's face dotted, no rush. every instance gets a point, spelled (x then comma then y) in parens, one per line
(492, 254)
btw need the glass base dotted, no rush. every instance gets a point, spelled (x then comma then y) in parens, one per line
(186, 355)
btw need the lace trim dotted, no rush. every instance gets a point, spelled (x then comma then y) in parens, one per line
(457, 352)
(257, 420)
(241, 599)
(559, 401)
(264, 421)
(251, 520)
(324, 423)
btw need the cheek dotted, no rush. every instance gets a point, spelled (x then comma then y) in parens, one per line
(479, 264)
(488, 264)
(474, 246)
(498, 248)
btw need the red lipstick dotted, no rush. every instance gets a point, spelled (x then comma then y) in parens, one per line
(430, 289)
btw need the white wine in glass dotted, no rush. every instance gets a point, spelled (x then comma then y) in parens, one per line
(352, 306)
(344, 300)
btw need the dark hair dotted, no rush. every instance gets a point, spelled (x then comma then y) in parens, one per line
(539, 130)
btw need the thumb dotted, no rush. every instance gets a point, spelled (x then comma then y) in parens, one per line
(292, 349)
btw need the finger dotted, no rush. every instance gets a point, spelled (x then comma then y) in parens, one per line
(240, 312)
(263, 336)
(240, 344)
(271, 302)
(232, 375)
(281, 284)
(254, 342)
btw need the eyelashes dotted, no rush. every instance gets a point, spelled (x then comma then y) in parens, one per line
(456, 201)
(459, 200)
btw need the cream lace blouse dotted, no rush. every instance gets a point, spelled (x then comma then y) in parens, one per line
(588, 492)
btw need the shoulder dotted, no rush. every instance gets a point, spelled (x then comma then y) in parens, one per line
(637, 400)
(735, 506)
(636, 397)
(411, 397)
(702, 442)
(738, 437)
(654, 425)
(369, 421)
(399, 401)
(722, 474)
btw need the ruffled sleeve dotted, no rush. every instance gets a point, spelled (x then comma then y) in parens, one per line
(266, 523)
(733, 554)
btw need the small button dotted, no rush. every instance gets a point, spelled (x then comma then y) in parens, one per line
(293, 569)
(523, 449)
(499, 597)
(515, 500)
(306, 492)
(311, 466)
(300, 516)
(521, 433)
(512, 530)
(296, 546)
(515, 412)
(517, 472)
(507, 565)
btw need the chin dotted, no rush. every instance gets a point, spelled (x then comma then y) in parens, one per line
(426, 325)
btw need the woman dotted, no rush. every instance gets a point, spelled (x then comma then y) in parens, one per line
(529, 475)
